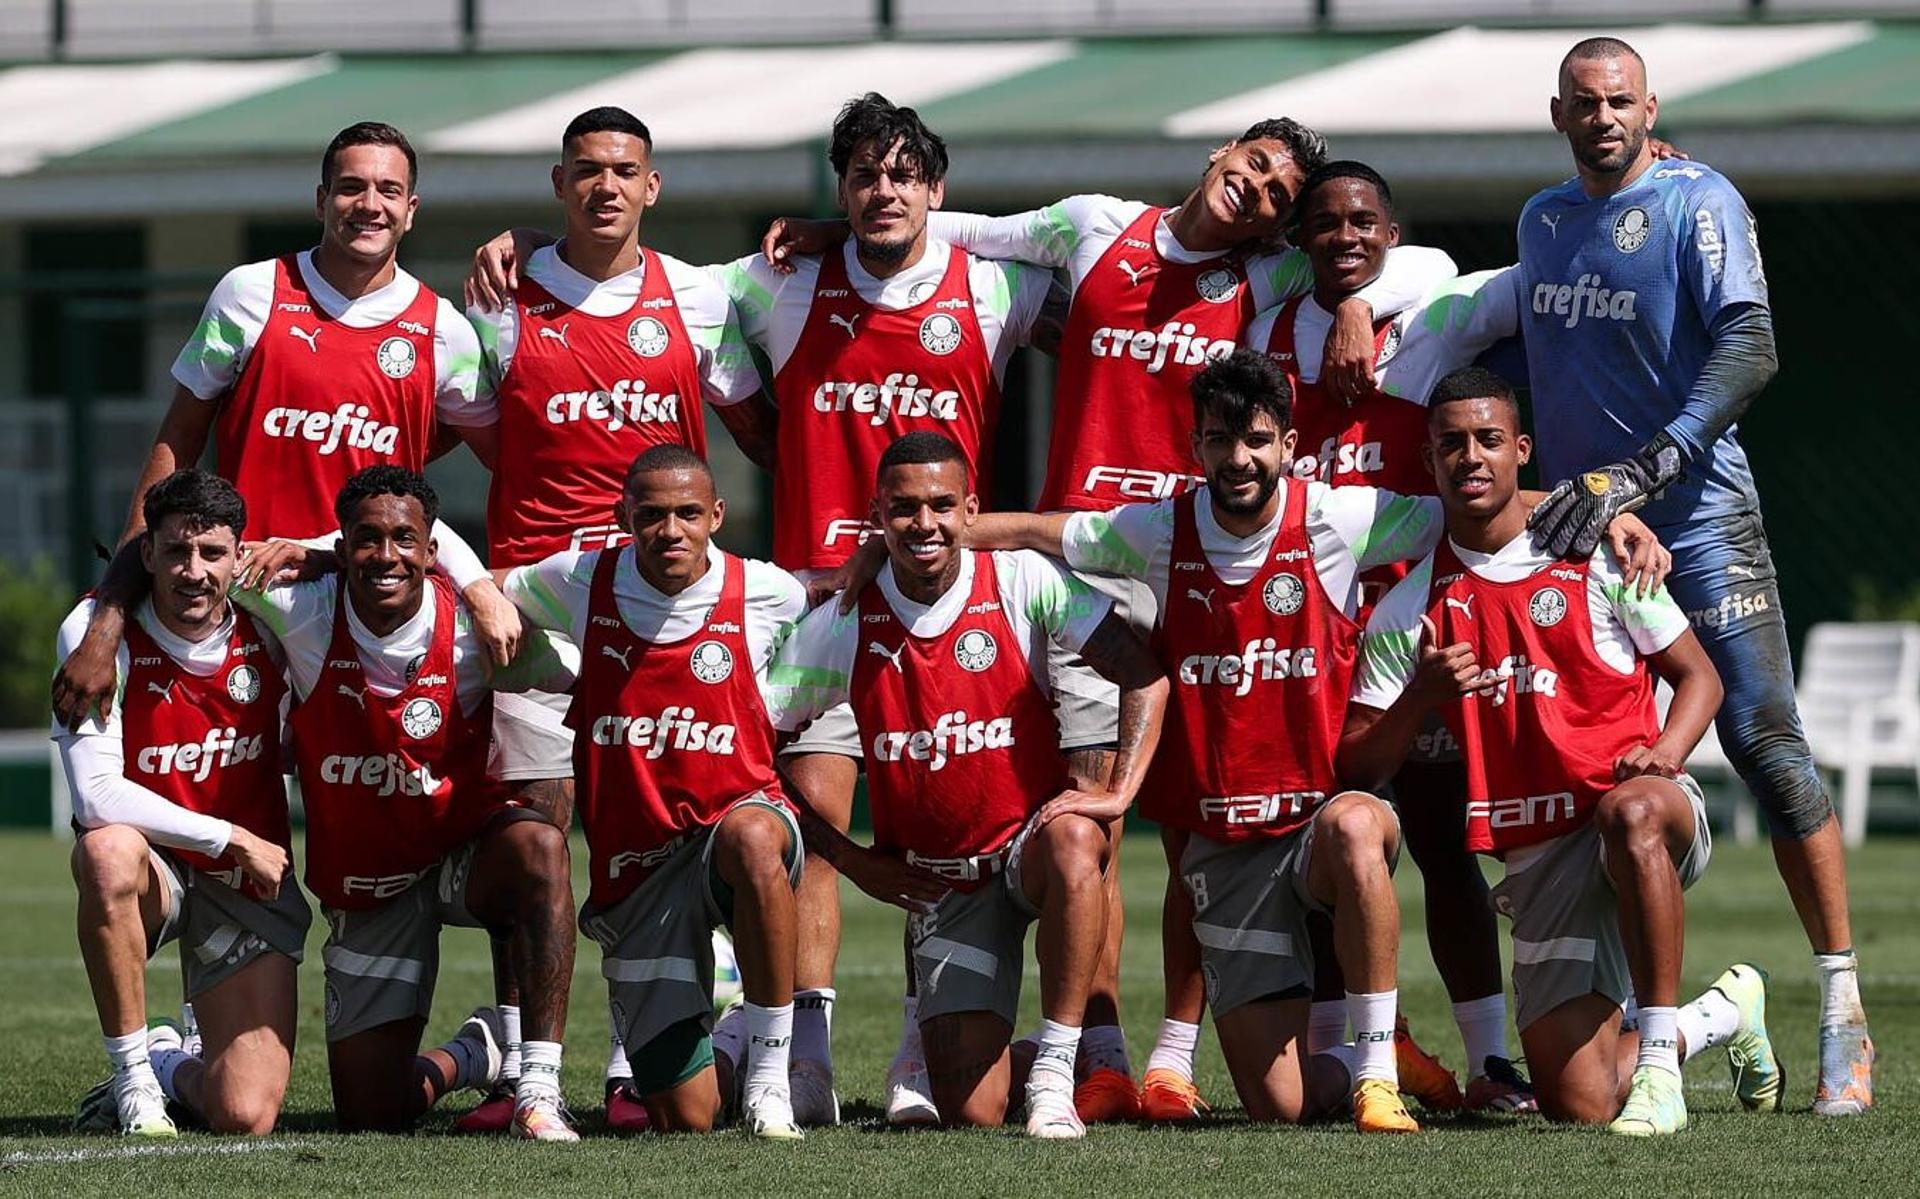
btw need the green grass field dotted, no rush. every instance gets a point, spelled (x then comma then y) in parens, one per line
(51, 1054)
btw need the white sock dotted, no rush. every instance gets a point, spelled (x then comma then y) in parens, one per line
(1053, 1064)
(730, 1036)
(510, 1052)
(165, 1062)
(1660, 1039)
(813, 1025)
(129, 1056)
(910, 1049)
(1839, 989)
(1372, 1017)
(1483, 1029)
(1326, 1025)
(1706, 1022)
(1175, 1048)
(1104, 1047)
(619, 1069)
(539, 1071)
(769, 1042)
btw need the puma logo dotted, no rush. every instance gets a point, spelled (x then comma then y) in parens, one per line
(845, 322)
(619, 656)
(559, 335)
(1465, 605)
(357, 695)
(165, 693)
(1205, 598)
(312, 339)
(1133, 273)
(1552, 222)
(1741, 572)
(891, 655)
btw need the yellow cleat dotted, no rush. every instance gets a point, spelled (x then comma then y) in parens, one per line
(1106, 1096)
(1167, 1098)
(1377, 1107)
(1421, 1074)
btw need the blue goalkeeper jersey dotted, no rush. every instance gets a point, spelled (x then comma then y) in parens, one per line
(1615, 298)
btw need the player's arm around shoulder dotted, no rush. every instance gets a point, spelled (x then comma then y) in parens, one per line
(551, 593)
(1378, 527)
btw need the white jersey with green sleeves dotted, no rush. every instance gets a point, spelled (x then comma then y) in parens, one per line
(554, 594)
(1044, 603)
(1074, 234)
(772, 307)
(720, 354)
(1352, 529)
(1450, 327)
(1626, 626)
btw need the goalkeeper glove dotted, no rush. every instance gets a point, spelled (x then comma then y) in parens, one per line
(1575, 515)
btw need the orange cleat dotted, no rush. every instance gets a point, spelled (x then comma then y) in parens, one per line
(625, 1112)
(1106, 1096)
(1377, 1107)
(1421, 1074)
(493, 1115)
(1167, 1098)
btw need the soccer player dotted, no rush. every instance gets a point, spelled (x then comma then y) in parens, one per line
(183, 834)
(894, 332)
(1344, 224)
(944, 663)
(684, 814)
(406, 832)
(603, 348)
(1540, 667)
(1644, 307)
(303, 370)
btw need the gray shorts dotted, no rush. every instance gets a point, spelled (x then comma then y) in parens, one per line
(1086, 704)
(834, 731)
(656, 944)
(221, 931)
(531, 739)
(1566, 917)
(382, 963)
(969, 953)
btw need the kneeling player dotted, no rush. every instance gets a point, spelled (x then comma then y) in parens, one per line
(406, 832)
(1539, 667)
(684, 813)
(182, 821)
(944, 662)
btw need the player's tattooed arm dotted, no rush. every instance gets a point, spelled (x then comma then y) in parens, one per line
(885, 876)
(1697, 693)
(1118, 653)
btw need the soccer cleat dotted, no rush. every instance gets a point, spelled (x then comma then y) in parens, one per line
(1758, 1077)
(814, 1103)
(625, 1112)
(1421, 1074)
(1167, 1098)
(910, 1094)
(1377, 1107)
(769, 1117)
(1106, 1096)
(1846, 1071)
(1051, 1115)
(542, 1118)
(485, 1033)
(493, 1115)
(1500, 1088)
(96, 1112)
(1654, 1108)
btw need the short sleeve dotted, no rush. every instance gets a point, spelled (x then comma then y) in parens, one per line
(1128, 540)
(1390, 646)
(230, 326)
(751, 286)
(813, 671)
(552, 591)
(1720, 256)
(1379, 527)
(494, 331)
(776, 601)
(1277, 278)
(1050, 598)
(456, 364)
(1411, 274)
(1650, 622)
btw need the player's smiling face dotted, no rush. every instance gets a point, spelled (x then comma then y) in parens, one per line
(387, 550)
(923, 510)
(369, 204)
(672, 515)
(1346, 230)
(607, 182)
(1243, 467)
(1475, 449)
(192, 568)
(1248, 191)
(1606, 112)
(887, 197)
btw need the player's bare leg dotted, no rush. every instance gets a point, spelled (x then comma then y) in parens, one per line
(751, 848)
(1167, 1093)
(247, 1032)
(123, 904)
(1062, 876)
(521, 881)
(827, 780)
(1274, 1074)
(1355, 840)
(1575, 1053)
(1106, 1090)
(969, 1067)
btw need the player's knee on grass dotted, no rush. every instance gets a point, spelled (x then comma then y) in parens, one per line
(1264, 1043)
(109, 864)
(969, 1067)
(248, 1107)
(1572, 1057)
(667, 1071)
(380, 1084)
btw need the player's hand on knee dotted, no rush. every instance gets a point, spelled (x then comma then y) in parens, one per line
(1102, 806)
(891, 879)
(1644, 760)
(262, 861)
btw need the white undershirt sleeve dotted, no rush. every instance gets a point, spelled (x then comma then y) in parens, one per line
(103, 795)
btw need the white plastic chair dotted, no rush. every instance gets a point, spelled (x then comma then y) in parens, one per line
(1859, 697)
